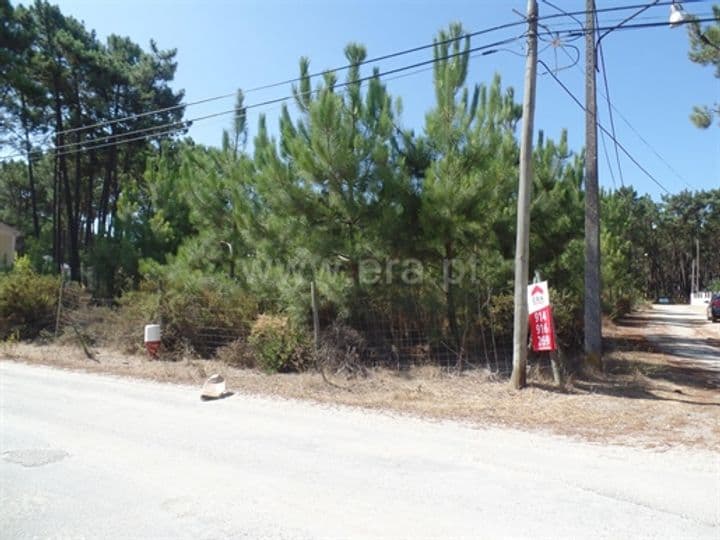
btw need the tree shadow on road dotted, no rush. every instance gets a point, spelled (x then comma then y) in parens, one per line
(648, 358)
(638, 321)
(631, 387)
(639, 368)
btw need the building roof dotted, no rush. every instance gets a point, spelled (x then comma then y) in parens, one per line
(7, 229)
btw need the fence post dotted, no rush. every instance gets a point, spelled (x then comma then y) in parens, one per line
(316, 317)
(554, 364)
(60, 301)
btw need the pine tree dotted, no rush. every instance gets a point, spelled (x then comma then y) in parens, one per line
(705, 50)
(329, 180)
(470, 134)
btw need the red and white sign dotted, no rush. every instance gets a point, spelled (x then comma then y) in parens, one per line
(542, 328)
(538, 296)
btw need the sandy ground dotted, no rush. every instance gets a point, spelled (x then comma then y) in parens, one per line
(684, 334)
(92, 456)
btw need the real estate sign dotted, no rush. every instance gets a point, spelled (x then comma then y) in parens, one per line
(542, 328)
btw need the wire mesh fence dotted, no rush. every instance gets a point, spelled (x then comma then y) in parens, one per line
(403, 341)
(195, 325)
(192, 328)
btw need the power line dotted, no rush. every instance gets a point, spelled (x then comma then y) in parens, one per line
(176, 130)
(607, 159)
(606, 95)
(652, 149)
(625, 20)
(292, 80)
(348, 66)
(603, 129)
(276, 101)
(182, 124)
(573, 17)
(643, 25)
(612, 107)
(574, 63)
(608, 23)
(640, 136)
(610, 111)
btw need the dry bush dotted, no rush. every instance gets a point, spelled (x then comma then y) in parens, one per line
(342, 350)
(237, 353)
(194, 322)
(205, 320)
(122, 328)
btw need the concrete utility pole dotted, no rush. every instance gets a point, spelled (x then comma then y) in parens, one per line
(522, 237)
(593, 317)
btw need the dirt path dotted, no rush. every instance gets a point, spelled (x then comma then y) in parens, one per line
(688, 341)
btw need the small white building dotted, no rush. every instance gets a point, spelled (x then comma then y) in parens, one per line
(700, 298)
(8, 244)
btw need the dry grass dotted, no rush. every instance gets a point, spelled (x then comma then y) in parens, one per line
(628, 407)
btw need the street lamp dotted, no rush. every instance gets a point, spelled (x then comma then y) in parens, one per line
(677, 14)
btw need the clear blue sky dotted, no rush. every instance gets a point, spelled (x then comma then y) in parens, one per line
(223, 45)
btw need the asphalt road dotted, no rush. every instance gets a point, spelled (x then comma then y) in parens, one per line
(88, 456)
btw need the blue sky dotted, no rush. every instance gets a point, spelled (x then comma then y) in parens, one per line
(223, 45)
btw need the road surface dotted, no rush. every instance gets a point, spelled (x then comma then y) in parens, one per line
(89, 456)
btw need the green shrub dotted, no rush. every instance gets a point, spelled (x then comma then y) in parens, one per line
(618, 302)
(502, 314)
(114, 264)
(568, 316)
(279, 345)
(28, 301)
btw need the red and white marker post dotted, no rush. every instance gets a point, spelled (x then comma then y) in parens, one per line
(152, 339)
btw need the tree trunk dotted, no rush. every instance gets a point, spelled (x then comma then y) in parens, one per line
(683, 277)
(110, 169)
(56, 218)
(89, 213)
(74, 256)
(73, 206)
(450, 301)
(61, 179)
(115, 192)
(104, 203)
(31, 176)
(72, 229)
